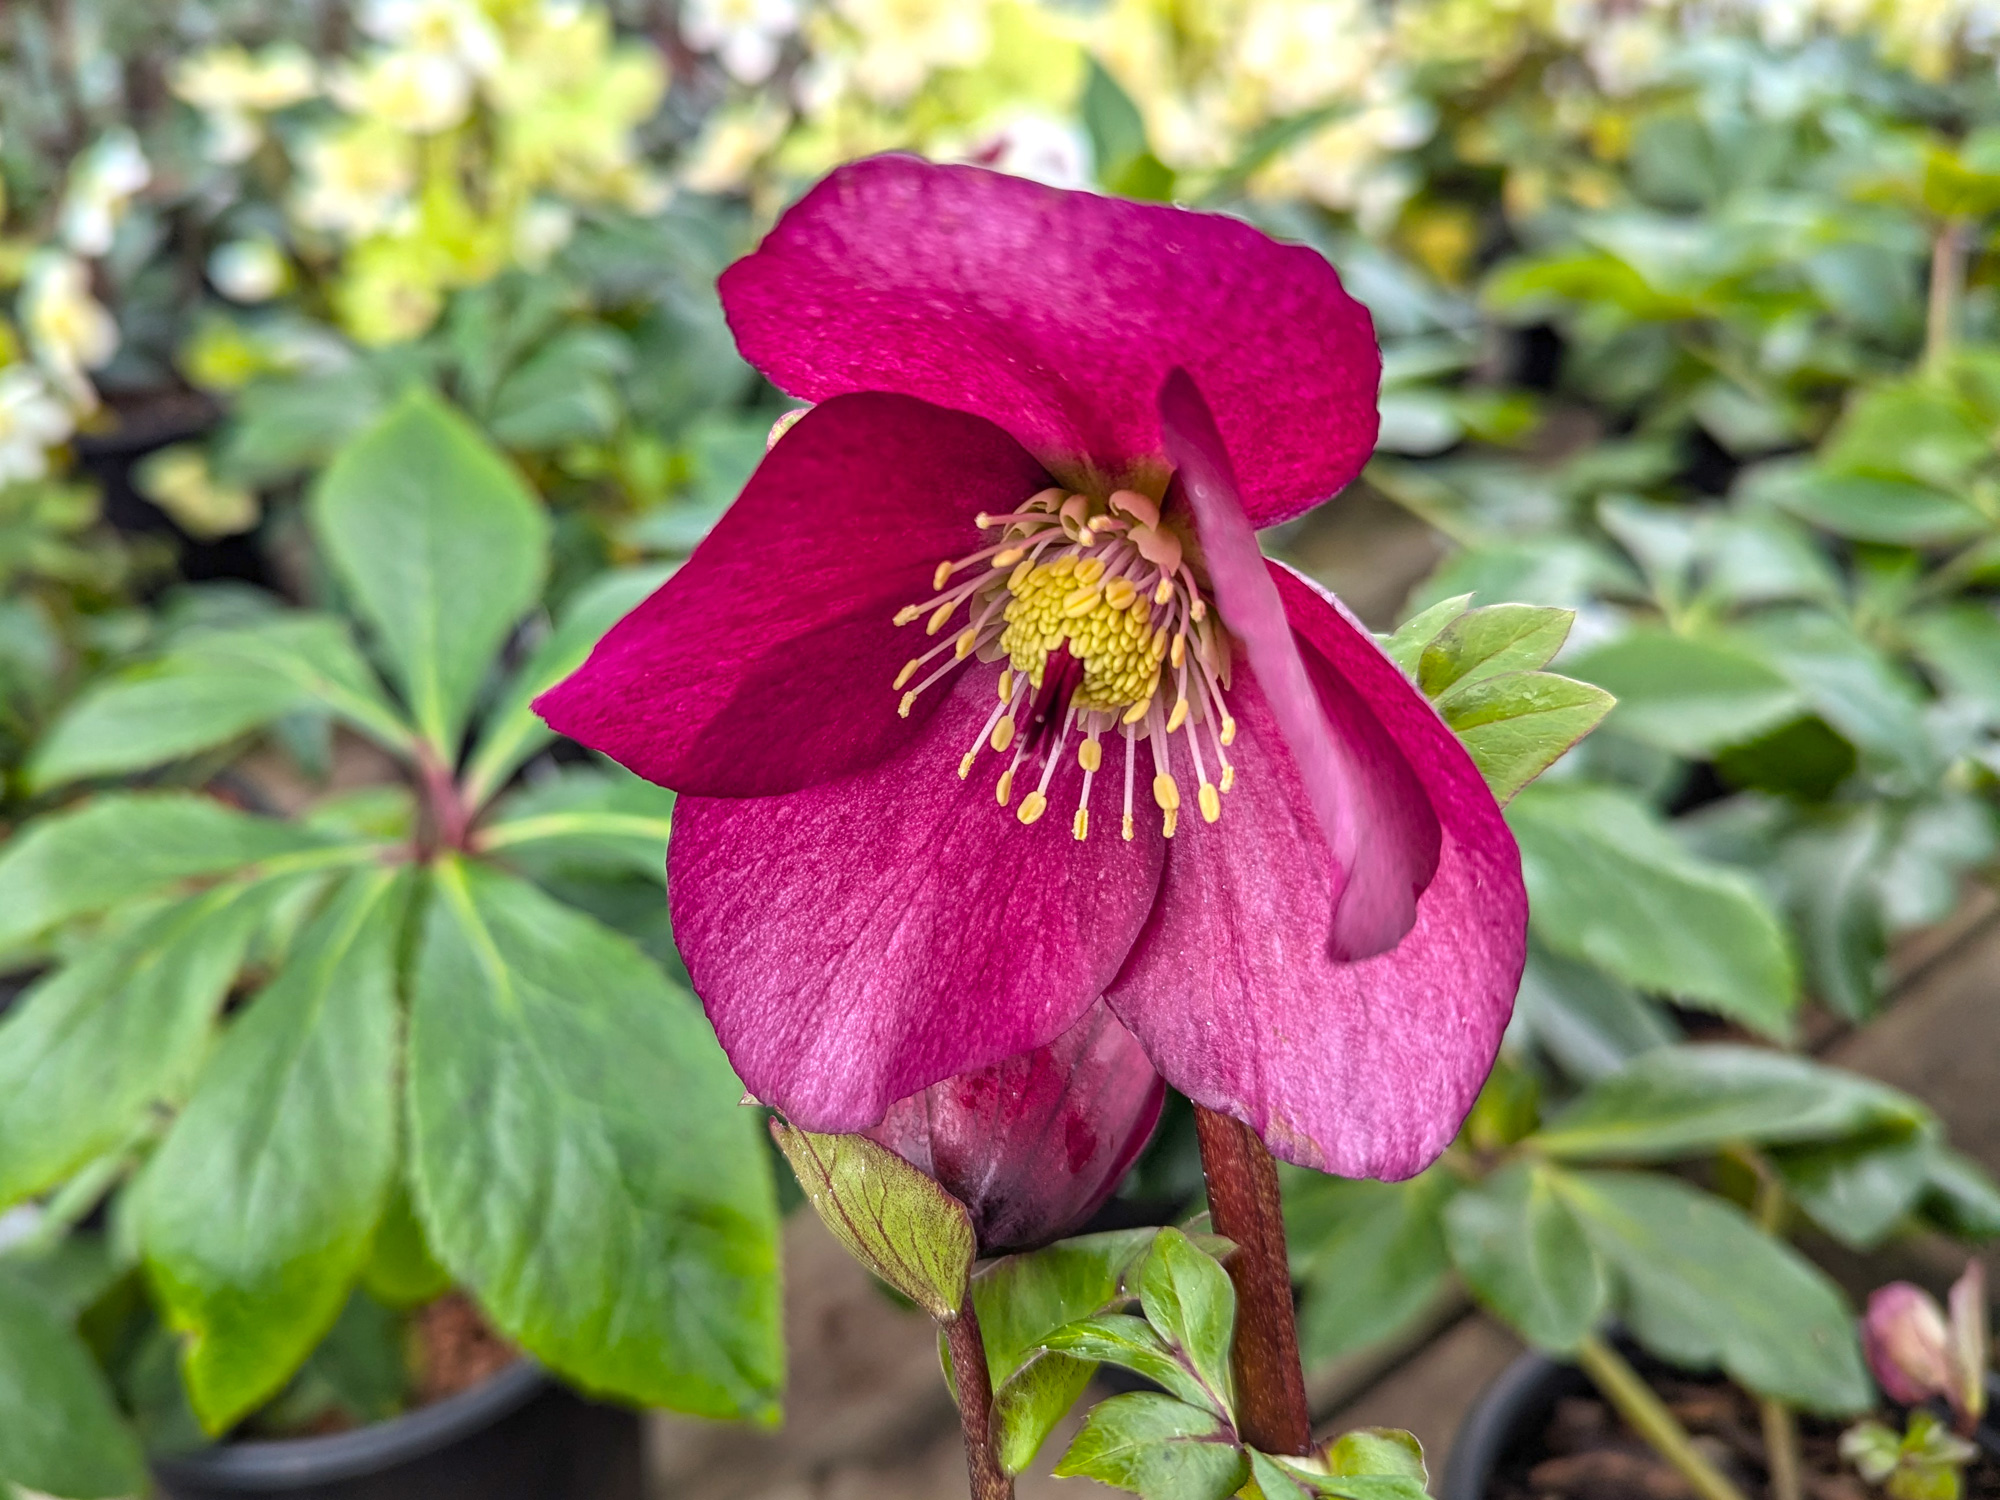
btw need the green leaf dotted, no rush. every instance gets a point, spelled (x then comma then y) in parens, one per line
(1683, 1101)
(1377, 1450)
(1590, 1023)
(401, 1270)
(1871, 509)
(1488, 641)
(1961, 645)
(1870, 700)
(1516, 725)
(1134, 1344)
(602, 818)
(120, 847)
(1687, 695)
(1859, 1191)
(1370, 1255)
(891, 1217)
(579, 1160)
(1157, 1447)
(1962, 1197)
(442, 548)
(1702, 1286)
(1608, 884)
(1522, 1251)
(1406, 646)
(258, 1210)
(1290, 1478)
(513, 731)
(93, 1045)
(60, 1432)
(1188, 1298)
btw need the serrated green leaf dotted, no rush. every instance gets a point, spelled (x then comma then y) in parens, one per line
(1189, 1299)
(1405, 647)
(578, 1157)
(1134, 1344)
(891, 1217)
(60, 1431)
(1608, 884)
(258, 1210)
(1691, 696)
(1680, 1101)
(1520, 1248)
(1490, 640)
(1389, 1451)
(442, 548)
(1370, 1256)
(1157, 1447)
(1516, 725)
(1700, 1285)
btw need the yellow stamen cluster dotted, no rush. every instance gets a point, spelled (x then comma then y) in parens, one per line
(1108, 626)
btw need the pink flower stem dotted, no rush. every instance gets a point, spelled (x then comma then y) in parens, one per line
(1244, 1206)
(975, 1405)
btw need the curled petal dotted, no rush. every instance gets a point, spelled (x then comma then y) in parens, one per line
(1365, 1069)
(1366, 801)
(1057, 314)
(1904, 1336)
(1033, 1144)
(860, 940)
(765, 663)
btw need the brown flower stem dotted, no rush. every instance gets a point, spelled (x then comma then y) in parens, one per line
(1781, 1428)
(1243, 1204)
(1948, 255)
(1648, 1416)
(975, 1405)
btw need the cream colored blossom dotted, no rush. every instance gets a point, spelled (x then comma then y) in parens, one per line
(32, 420)
(356, 180)
(900, 43)
(732, 143)
(418, 92)
(179, 481)
(233, 87)
(457, 29)
(102, 183)
(746, 36)
(247, 270)
(68, 329)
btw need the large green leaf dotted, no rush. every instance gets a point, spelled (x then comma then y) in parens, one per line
(1587, 1021)
(1370, 1255)
(1686, 695)
(260, 1206)
(60, 1432)
(1873, 509)
(1516, 725)
(1489, 641)
(599, 818)
(1157, 1447)
(1519, 1246)
(442, 548)
(1682, 1101)
(1702, 1286)
(90, 1047)
(1608, 884)
(118, 848)
(1134, 1344)
(1859, 1191)
(1189, 1300)
(513, 730)
(579, 1157)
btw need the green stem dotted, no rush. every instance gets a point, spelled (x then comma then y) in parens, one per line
(1948, 246)
(1781, 1429)
(1649, 1417)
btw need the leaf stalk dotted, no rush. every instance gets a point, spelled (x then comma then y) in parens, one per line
(1648, 1416)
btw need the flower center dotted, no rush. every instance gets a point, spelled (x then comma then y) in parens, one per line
(1097, 621)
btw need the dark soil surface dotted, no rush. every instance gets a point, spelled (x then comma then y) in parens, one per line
(1586, 1452)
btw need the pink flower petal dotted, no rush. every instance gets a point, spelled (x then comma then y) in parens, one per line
(1057, 314)
(1904, 1336)
(766, 663)
(1365, 798)
(860, 940)
(1033, 1144)
(1364, 1069)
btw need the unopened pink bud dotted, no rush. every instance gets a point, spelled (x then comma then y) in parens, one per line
(1966, 1346)
(1904, 1336)
(1034, 1144)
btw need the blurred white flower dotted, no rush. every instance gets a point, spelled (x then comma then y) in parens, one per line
(1038, 146)
(1306, 53)
(102, 182)
(1627, 53)
(247, 270)
(68, 329)
(734, 140)
(902, 42)
(456, 29)
(355, 180)
(418, 92)
(32, 420)
(540, 229)
(746, 36)
(232, 87)
(179, 481)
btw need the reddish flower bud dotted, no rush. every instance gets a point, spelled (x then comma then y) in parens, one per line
(1904, 1336)
(1034, 1144)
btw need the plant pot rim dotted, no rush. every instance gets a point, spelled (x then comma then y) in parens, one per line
(1494, 1423)
(293, 1463)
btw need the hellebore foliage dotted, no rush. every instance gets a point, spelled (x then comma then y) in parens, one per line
(374, 1046)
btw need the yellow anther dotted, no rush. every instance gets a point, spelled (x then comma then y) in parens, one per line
(1228, 730)
(1080, 824)
(1062, 567)
(983, 519)
(1229, 778)
(1126, 831)
(1179, 654)
(1021, 570)
(1199, 610)
(1090, 755)
(1080, 602)
(1138, 710)
(903, 708)
(1211, 802)
(1006, 684)
(1090, 570)
(938, 616)
(967, 639)
(909, 671)
(1008, 558)
(1163, 591)
(1179, 715)
(1119, 593)
(1032, 807)
(965, 766)
(907, 613)
(944, 571)
(1139, 507)
(1165, 792)
(1006, 788)
(1169, 821)
(1003, 735)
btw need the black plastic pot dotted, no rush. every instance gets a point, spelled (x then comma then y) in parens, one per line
(517, 1436)
(1510, 1414)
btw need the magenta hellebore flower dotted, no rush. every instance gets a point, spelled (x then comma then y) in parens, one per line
(1034, 1144)
(984, 705)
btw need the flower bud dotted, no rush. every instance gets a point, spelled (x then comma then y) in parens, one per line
(1966, 1346)
(1033, 1144)
(1905, 1338)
